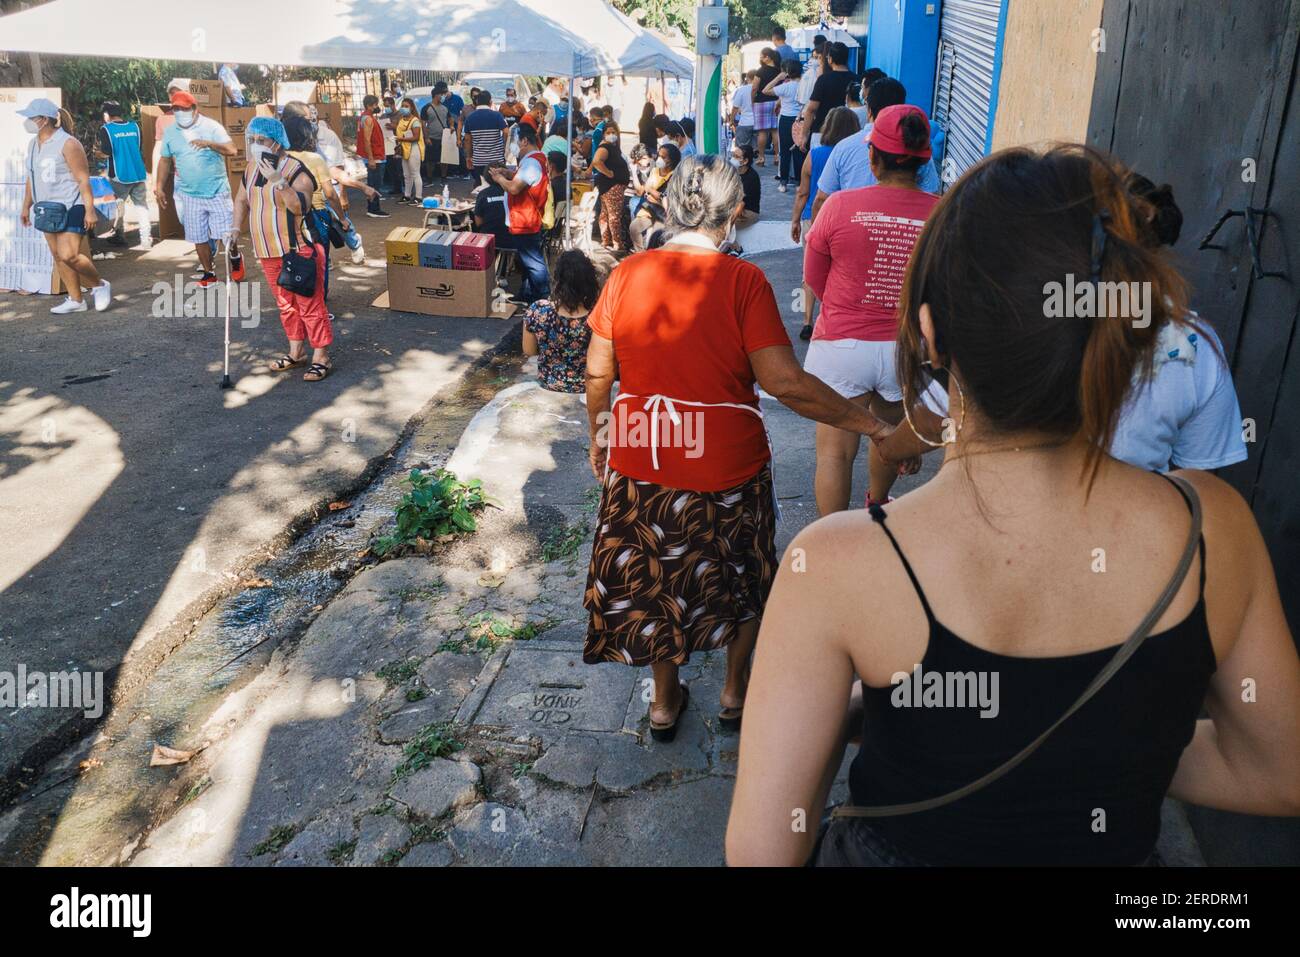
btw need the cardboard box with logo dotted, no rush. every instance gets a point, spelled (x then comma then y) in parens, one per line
(442, 292)
(236, 118)
(473, 251)
(435, 249)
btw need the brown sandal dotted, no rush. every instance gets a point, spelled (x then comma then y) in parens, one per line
(285, 363)
(316, 372)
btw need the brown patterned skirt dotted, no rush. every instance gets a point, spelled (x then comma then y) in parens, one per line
(675, 571)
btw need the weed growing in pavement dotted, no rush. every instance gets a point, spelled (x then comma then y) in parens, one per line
(437, 508)
(395, 672)
(280, 835)
(564, 541)
(340, 854)
(435, 741)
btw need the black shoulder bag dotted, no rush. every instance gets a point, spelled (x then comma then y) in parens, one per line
(298, 272)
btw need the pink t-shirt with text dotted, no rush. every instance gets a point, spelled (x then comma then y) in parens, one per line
(856, 258)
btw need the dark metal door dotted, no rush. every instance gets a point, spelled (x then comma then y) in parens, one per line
(1195, 93)
(1203, 95)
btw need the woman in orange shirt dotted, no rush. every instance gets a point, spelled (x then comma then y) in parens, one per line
(686, 548)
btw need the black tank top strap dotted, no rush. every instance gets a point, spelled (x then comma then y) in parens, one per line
(878, 516)
(1201, 543)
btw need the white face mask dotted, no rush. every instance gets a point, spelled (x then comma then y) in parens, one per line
(736, 162)
(731, 232)
(184, 118)
(31, 126)
(256, 153)
(660, 163)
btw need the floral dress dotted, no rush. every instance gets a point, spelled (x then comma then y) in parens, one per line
(561, 347)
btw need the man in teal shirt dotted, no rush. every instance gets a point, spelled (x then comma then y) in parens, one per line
(196, 147)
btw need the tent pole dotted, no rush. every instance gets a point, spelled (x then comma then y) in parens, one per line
(568, 171)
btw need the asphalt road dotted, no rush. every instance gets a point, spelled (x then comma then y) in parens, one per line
(132, 489)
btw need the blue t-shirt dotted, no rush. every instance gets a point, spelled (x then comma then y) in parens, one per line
(849, 167)
(200, 172)
(786, 52)
(454, 104)
(1187, 415)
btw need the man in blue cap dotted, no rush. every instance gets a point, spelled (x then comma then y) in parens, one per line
(196, 146)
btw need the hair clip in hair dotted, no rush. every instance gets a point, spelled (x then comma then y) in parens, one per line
(1098, 242)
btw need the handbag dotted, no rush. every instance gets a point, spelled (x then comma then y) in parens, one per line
(450, 151)
(297, 272)
(337, 232)
(1117, 660)
(49, 216)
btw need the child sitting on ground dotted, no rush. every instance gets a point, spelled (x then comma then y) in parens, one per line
(555, 329)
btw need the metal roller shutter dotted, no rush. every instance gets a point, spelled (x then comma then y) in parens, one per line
(968, 38)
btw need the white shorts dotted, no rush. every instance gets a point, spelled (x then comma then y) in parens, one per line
(854, 367)
(206, 218)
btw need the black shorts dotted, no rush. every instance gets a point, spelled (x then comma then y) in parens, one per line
(76, 220)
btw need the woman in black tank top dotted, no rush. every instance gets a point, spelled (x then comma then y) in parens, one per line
(983, 610)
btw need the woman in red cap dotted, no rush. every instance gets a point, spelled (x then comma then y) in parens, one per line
(855, 259)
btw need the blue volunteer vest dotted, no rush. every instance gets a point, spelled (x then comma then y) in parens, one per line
(128, 164)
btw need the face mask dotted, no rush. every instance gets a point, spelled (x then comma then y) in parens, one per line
(663, 141)
(737, 162)
(510, 99)
(31, 126)
(257, 152)
(660, 163)
(184, 118)
(406, 111)
(731, 233)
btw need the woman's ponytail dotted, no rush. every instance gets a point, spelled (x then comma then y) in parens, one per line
(1127, 270)
(66, 123)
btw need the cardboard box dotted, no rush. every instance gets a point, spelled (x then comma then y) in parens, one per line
(435, 249)
(402, 246)
(205, 92)
(235, 119)
(473, 251)
(239, 162)
(442, 292)
(208, 93)
(169, 224)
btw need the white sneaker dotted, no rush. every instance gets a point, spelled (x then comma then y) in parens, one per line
(69, 305)
(359, 255)
(103, 295)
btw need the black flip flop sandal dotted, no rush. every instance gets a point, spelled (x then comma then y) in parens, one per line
(316, 372)
(665, 733)
(729, 719)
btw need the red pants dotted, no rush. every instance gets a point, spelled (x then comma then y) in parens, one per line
(303, 317)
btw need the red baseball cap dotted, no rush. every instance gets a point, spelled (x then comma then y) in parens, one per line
(887, 131)
(184, 100)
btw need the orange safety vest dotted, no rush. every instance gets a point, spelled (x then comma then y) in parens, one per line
(526, 209)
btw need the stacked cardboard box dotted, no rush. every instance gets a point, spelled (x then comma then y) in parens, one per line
(424, 275)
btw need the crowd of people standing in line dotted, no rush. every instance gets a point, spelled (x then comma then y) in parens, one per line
(931, 336)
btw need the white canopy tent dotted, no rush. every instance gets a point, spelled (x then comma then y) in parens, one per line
(536, 37)
(572, 38)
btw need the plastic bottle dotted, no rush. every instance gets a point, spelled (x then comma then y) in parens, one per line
(446, 195)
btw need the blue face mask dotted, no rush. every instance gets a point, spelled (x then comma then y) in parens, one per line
(405, 111)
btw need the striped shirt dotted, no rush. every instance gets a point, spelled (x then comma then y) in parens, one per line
(268, 224)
